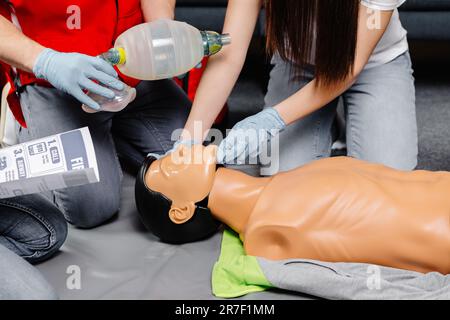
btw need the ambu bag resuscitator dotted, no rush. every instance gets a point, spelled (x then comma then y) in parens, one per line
(157, 50)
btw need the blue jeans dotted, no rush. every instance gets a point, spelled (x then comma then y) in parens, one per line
(380, 116)
(19, 280)
(32, 228)
(145, 126)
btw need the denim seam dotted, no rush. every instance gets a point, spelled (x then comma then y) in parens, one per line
(61, 203)
(351, 147)
(316, 139)
(154, 132)
(29, 120)
(37, 216)
(35, 254)
(116, 156)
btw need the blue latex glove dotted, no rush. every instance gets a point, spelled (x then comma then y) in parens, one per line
(248, 135)
(73, 72)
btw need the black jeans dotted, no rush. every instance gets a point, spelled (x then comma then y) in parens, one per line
(145, 126)
(32, 227)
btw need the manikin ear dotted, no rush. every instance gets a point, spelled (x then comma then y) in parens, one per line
(181, 212)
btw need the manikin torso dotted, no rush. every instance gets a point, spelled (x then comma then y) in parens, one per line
(336, 209)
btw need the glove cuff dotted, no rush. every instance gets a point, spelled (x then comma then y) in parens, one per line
(42, 61)
(187, 143)
(278, 122)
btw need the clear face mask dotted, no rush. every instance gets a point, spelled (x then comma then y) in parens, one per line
(121, 99)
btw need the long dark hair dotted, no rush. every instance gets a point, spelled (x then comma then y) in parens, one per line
(292, 24)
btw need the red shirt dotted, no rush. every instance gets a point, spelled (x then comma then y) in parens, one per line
(84, 26)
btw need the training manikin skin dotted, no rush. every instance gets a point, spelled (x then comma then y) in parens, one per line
(335, 209)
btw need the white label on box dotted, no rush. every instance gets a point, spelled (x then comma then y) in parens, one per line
(55, 162)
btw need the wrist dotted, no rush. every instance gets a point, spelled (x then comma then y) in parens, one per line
(41, 60)
(194, 131)
(32, 54)
(187, 143)
(278, 121)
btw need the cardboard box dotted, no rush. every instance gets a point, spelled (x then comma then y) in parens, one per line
(55, 162)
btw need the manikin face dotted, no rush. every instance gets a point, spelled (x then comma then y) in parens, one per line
(185, 177)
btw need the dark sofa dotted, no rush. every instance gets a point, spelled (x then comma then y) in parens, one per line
(424, 19)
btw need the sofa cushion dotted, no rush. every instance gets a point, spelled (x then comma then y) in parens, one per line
(414, 5)
(426, 5)
(424, 19)
(202, 3)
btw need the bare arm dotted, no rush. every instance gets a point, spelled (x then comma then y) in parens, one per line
(21, 52)
(16, 49)
(158, 9)
(224, 68)
(312, 97)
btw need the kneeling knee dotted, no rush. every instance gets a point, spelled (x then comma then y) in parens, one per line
(91, 209)
(55, 237)
(39, 229)
(400, 158)
(405, 161)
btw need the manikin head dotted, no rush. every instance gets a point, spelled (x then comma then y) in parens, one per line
(185, 177)
(172, 192)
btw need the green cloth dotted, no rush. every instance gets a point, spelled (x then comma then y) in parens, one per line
(236, 274)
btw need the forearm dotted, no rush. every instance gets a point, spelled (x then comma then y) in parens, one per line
(215, 88)
(309, 99)
(224, 68)
(16, 49)
(158, 9)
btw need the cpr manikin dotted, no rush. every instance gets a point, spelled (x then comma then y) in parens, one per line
(335, 209)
